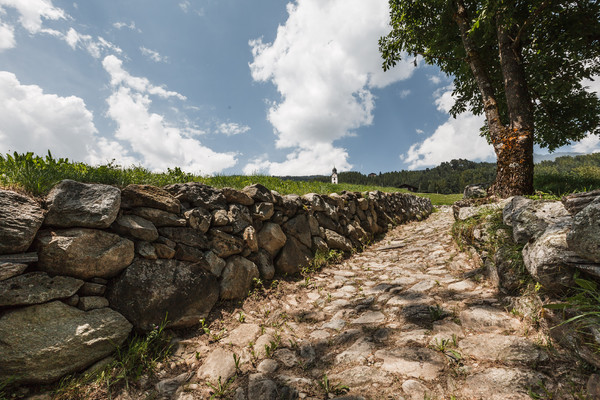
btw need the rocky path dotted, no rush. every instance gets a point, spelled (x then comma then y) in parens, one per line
(405, 319)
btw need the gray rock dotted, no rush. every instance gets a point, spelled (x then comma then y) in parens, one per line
(198, 195)
(271, 238)
(476, 191)
(187, 236)
(361, 375)
(225, 245)
(262, 388)
(251, 238)
(415, 390)
(163, 251)
(319, 244)
(42, 343)
(149, 196)
(263, 211)
(188, 253)
(584, 237)
(92, 289)
(150, 290)
(168, 387)
(502, 348)
(215, 263)
(299, 227)
(414, 362)
(337, 241)
(220, 218)
(258, 193)
(315, 201)
(264, 262)
(487, 319)
(529, 218)
(35, 288)
(10, 269)
(237, 278)
(236, 196)
(21, 218)
(286, 357)
(357, 353)
(502, 384)
(159, 217)
(146, 250)
(218, 366)
(292, 257)
(199, 219)
(243, 335)
(549, 260)
(240, 217)
(74, 204)
(267, 366)
(578, 201)
(87, 303)
(136, 227)
(83, 253)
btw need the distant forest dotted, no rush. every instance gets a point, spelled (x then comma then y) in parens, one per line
(563, 175)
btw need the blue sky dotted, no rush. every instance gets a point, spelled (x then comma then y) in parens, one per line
(224, 86)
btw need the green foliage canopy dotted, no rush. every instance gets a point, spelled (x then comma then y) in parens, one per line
(558, 44)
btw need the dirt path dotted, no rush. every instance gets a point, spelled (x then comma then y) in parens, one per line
(399, 321)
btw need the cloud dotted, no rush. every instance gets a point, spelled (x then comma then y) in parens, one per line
(31, 12)
(318, 160)
(589, 144)
(7, 37)
(231, 128)
(31, 120)
(325, 65)
(158, 143)
(420, 131)
(592, 85)
(118, 76)
(436, 80)
(94, 47)
(456, 138)
(131, 26)
(404, 93)
(153, 55)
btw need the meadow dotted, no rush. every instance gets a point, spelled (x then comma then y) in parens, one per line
(36, 175)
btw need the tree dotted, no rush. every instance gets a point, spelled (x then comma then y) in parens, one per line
(520, 62)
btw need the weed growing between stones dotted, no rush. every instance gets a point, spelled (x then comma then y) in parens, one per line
(138, 356)
(222, 389)
(328, 387)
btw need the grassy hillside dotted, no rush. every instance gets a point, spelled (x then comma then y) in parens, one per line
(36, 175)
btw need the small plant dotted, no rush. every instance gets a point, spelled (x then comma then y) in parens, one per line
(328, 388)
(437, 312)
(203, 326)
(236, 360)
(585, 302)
(241, 317)
(542, 394)
(221, 389)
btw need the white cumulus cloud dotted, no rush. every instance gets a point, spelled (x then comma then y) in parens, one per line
(31, 12)
(232, 128)
(95, 47)
(7, 37)
(31, 120)
(324, 63)
(158, 143)
(456, 138)
(319, 159)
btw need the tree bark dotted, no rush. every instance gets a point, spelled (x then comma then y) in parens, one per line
(514, 147)
(513, 144)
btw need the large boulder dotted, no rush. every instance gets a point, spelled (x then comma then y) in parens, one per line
(239, 217)
(258, 193)
(75, 204)
(187, 236)
(293, 257)
(475, 191)
(44, 342)
(10, 269)
(264, 262)
(337, 241)
(149, 196)
(584, 237)
(83, 253)
(530, 218)
(35, 288)
(271, 238)
(549, 260)
(578, 201)
(21, 218)
(236, 196)
(237, 278)
(150, 290)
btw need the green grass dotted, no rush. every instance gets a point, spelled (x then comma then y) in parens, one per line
(37, 175)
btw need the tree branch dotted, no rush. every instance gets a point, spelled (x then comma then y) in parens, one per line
(529, 21)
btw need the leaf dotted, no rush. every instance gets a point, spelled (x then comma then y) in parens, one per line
(585, 284)
(556, 306)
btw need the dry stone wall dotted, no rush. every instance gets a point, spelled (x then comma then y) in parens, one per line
(93, 262)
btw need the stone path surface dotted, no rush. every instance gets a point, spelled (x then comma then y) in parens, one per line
(401, 320)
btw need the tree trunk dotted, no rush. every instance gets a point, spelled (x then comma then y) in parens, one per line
(513, 144)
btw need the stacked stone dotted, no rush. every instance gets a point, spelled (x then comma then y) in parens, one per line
(53, 318)
(109, 259)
